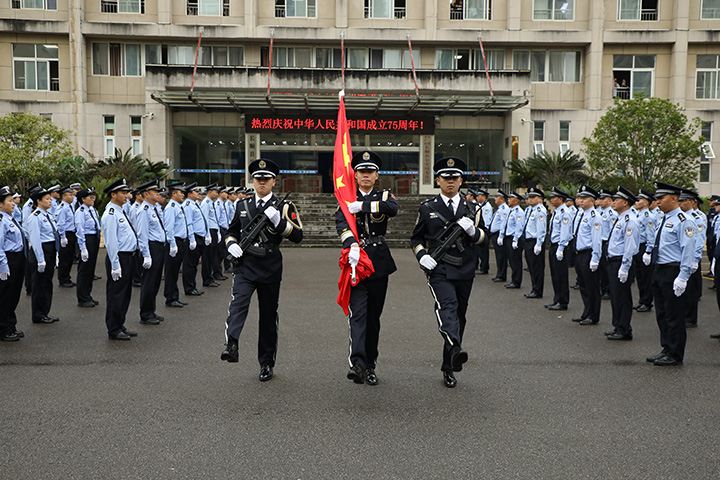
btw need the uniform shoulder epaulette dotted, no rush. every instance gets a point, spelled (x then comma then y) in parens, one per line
(427, 201)
(681, 217)
(111, 210)
(627, 217)
(36, 212)
(592, 213)
(146, 207)
(647, 214)
(172, 204)
(695, 214)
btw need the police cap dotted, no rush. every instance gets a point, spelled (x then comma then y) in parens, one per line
(662, 189)
(556, 192)
(535, 192)
(366, 160)
(117, 186)
(263, 168)
(586, 191)
(626, 194)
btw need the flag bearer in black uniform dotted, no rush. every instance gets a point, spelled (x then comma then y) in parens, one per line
(12, 267)
(152, 239)
(372, 210)
(45, 243)
(450, 277)
(260, 267)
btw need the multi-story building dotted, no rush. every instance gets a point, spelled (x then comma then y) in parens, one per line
(119, 73)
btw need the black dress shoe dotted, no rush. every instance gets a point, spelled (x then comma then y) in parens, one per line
(182, 303)
(130, 333)
(667, 361)
(68, 285)
(119, 336)
(576, 287)
(532, 295)
(174, 304)
(97, 277)
(652, 358)
(691, 325)
(356, 374)
(137, 284)
(715, 335)
(498, 280)
(458, 356)
(644, 308)
(194, 293)
(557, 306)
(619, 336)
(211, 284)
(158, 317)
(605, 296)
(20, 333)
(449, 379)
(548, 305)
(370, 377)
(9, 337)
(220, 277)
(266, 373)
(230, 354)
(481, 272)
(635, 307)
(512, 285)
(610, 332)
(588, 321)
(150, 321)
(94, 301)
(86, 304)
(578, 319)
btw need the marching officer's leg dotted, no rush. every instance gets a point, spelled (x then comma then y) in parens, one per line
(555, 267)
(86, 271)
(378, 291)
(484, 255)
(66, 256)
(118, 293)
(446, 314)
(172, 271)
(237, 314)
(268, 296)
(42, 288)
(614, 292)
(358, 323)
(670, 312)
(191, 260)
(10, 291)
(209, 259)
(692, 294)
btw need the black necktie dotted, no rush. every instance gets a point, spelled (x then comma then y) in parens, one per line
(159, 216)
(55, 232)
(187, 232)
(577, 227)
(137, 244)
(655, 253)
(22, 237)
(450, 206)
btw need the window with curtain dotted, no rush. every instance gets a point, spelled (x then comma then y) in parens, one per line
(357, 58)
(629, 9)
(706, 77)
(710, 9)
(298, 8)
(129, 6)
(35, 67)
(444, 59)
(475, 9)
(549, 66)
(181, 55)
(635, 73)
(553, 9)
(133, 60)
(379, 8)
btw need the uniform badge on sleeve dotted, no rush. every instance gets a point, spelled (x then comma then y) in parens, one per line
(689, 231)
(629, 232)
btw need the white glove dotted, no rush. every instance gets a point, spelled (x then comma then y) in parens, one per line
(355, 207)
(466, 225)
(147, 262)
(594, 266)
(679, 286)
(193, 245)
(84, 255)
(537, 249)
(235, 250)
(712, 267)
(694, 267)
(354, 255)
(208, 240)
(116, 274)
(428, 262)
(500, 241)
(647, 258)
(219, 237)
(173, 251)
(622, 276)
(63, 242)
(273, 214)
(559, 254)
(4, 275)
(515, 245)
(41, 267)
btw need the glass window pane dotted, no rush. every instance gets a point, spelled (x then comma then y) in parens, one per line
(392, 58)
(235, 56)
(537, 66)
(109, 147)
(209, 7)
(622, 61)
(296, 8)
(42, 75)
(25, 75)
(704, 172)
(705, 87)
(644, 61)
(475, 9)
(219, 56)
(33, 3)
(357, 58)
(26, 50)
(563, 9)
(706, 131)
(205, 56)
(303, 57)
(311, 11)
(557, 70)
(136, 126)
(323, 57)
(100, 59)
(136, 146)
(542, 10)
(564, 132)
(521, 60)
(153, 55)
(444, 59)
(109, 125)
(47, 51)
(132, 60)
(280, 57)
(710, 9)
(642, 82)
(629, 9)
(706, 61)
(406, 62)
(539, 131)
(572, 64)
(380, 8)
(129, 6)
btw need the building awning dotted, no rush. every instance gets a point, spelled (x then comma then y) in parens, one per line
(307, 103)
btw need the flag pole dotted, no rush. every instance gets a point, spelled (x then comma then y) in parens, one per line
(197, 53)
(342, 57)
(487, 73)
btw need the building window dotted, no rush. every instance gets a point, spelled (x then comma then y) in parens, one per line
(37, 4)
(538, 136)
(385, 9)
(707, 152)
(644, 10)
(36, 67)
(452, 59)
(122, 6)
(549, 66)
(470, 9)
(209, 7)
(564, 136)
(710, 9)
(295, 8)
(109, 135)
(634, 74)
(495, 60)
(553, 10)
(328, 58)
(136, 135)
(117, 60)
(706, 83)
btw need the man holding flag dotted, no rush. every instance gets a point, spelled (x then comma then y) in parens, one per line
(369, 215)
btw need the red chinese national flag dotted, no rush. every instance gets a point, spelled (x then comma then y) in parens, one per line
(343, 175)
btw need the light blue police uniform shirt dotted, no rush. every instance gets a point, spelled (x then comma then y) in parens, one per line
(221, 213)
(643, 217)
(65, 219)
(515, 219)
(537, 224)
(589, 233)
(195, 218)
(486, 211)
(677, 242)
(608, 216)
(118, 234)
(149, 228)
(500, 218)
(175, 222)
(208, 209)
(87, 223)
(18, 214)
(42, 229)
(230, 209)
(27, 210)
(700, 221)
(11, 239)
(561, 227)
(624, 239)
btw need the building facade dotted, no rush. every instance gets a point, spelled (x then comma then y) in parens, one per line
(119, 74)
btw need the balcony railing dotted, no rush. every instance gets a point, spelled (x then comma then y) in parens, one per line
(399, 13)
(280, 11)
(456, 14)
(649, 15)
(622, 93)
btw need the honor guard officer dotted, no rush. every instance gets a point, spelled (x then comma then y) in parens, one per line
(643, 272)
(513, 230)
(372, 210)
(588, 248)
(45, 243)
(481, 197)
(68, 238)
(178, 231)
(673, 254)
(87, 222)
(201, 239)
(534, 234)
(260, 267)
(211, 257)
(497, 226)
(152, 239)
(608, 216)
(450, 274)
(622, 248)
(121, 243)
(12, 267)
(560, 242)
(688, 202)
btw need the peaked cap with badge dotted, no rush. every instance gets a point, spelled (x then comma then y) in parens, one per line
(449, 167)
(263, 168)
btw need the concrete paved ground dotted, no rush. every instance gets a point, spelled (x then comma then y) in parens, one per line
(541, 397)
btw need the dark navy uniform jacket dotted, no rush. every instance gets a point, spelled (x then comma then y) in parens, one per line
(429, 229)
(265, 269)
(372, 221)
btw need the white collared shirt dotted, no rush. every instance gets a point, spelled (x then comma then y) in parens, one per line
(455, 200)
(264, 199)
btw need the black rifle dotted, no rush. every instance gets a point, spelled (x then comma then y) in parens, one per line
(252, 232)
(455, 231)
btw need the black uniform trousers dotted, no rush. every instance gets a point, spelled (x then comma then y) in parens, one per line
(536, 266)
(172, 269)
(210, 258)
(451, 303)
(484, 256)
(151, 281)
(29, 273)
(515, 259)
(670, 311)
(620, 297)
(367, 300)
(86, 270)
(268, 295)
(118, 292)
(10, 291)
(692, 292)
(66, 257)
(644, 277)
(190, 263)
(570, 253)
(559, 275)
(589, 282)
(137, 270)
(222, 251)
(716, 282)
(602, 269)
(42, 287)
(501, 258)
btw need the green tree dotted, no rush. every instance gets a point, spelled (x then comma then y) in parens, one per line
(548, 169)
(521, 173)
(31, 147)
(643, 140)
(134, 168)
